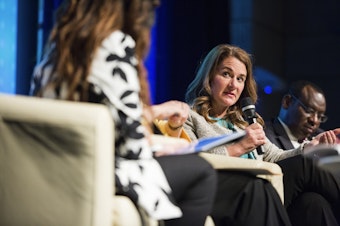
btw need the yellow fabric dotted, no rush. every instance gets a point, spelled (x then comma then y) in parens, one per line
(161, 124)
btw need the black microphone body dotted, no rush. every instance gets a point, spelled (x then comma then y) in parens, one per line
(248, 109)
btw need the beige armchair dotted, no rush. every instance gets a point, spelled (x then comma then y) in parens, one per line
(56, 166)
(269, 171)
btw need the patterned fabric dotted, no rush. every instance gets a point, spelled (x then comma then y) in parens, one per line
(114, 82)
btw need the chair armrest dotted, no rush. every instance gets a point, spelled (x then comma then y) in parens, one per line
(234, 163)
(266, 170)
(327, 156)
(56, 162)
(331, 163)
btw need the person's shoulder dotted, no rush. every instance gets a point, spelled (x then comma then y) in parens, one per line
(118, 39)
(196, 118)
(270, 123)
(195, 114)
(120, 35)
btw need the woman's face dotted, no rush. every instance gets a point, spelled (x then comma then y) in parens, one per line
(227, 84)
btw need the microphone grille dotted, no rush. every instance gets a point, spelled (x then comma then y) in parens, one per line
(247, 104)
(246, 101)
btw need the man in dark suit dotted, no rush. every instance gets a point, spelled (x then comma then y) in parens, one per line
(302, 111)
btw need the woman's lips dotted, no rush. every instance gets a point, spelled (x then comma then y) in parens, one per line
(229, 94)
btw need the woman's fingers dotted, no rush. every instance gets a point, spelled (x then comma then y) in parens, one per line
(255, 136)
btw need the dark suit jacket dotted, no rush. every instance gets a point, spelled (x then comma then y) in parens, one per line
(277, 134)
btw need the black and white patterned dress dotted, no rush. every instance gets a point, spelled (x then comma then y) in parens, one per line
(114, 82)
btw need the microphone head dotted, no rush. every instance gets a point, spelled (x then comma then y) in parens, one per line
(248, 107)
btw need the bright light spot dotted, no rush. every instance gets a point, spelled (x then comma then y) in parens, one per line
(267, 89)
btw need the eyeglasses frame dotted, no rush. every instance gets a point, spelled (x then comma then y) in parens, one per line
(310, 111)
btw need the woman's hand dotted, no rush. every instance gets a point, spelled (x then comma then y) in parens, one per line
(175, 112)
(254, 137)
(169, 109)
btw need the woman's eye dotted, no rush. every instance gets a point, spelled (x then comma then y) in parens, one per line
(241, 79)
(226, 74)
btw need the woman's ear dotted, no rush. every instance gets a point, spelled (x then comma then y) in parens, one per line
(286, 101)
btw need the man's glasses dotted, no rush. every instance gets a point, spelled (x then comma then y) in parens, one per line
(310, 111)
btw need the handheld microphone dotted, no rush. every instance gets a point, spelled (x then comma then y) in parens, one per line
(248, 109)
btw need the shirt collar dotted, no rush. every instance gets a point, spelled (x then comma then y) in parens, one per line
(286, 128)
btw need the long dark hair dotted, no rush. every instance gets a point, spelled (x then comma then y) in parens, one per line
(80, 28)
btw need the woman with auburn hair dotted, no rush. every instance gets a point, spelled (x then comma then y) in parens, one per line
(215, 95)
(199, 91)
(95, 54)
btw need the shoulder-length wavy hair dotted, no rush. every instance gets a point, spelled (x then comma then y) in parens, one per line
(80, 28)
(198, 93)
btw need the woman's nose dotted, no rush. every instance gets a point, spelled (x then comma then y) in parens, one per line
(232, 82)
